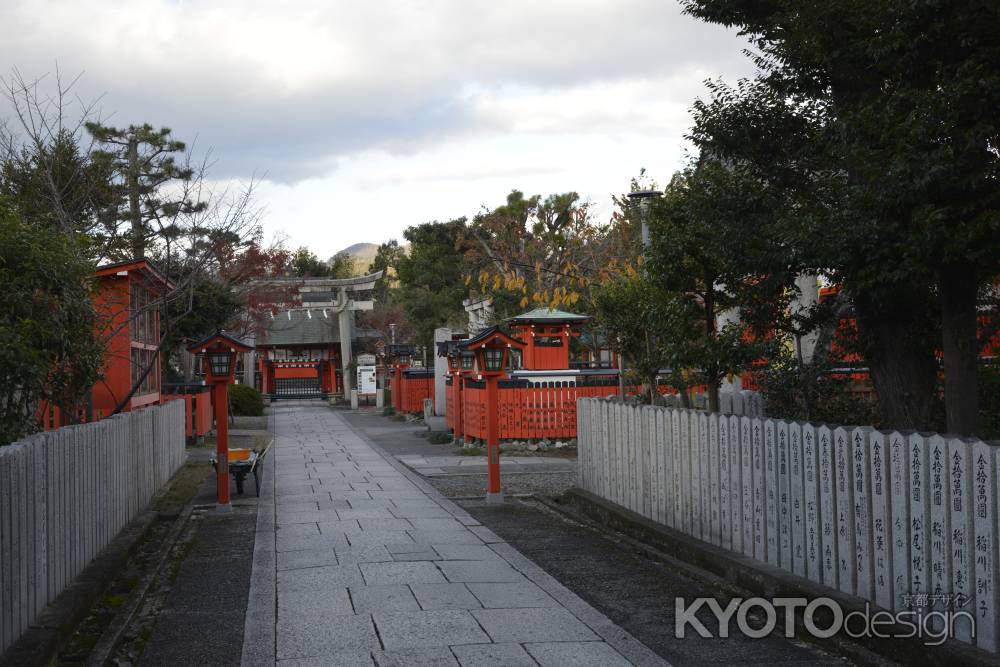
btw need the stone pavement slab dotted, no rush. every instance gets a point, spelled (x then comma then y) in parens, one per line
(358, 561)
(493, 655)
(533, 625)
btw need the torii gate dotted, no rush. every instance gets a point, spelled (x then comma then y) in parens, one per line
(337, 295)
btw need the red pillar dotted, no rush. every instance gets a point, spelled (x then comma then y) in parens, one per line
(457, 417)
(493, 493)
(220, 397)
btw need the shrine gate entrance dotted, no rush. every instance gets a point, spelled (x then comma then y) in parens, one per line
(297, 380)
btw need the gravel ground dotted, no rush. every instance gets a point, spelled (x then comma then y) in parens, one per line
(633, 590)
(410, 438)
(466, 485)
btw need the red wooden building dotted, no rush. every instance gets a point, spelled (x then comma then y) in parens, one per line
(127, 302)
(539, 389)
(546, 334)
(298, 354)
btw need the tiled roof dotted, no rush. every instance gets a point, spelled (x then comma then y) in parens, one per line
(300, 329)
(548, 315)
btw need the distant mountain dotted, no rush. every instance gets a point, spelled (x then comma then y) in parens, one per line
(362, 254)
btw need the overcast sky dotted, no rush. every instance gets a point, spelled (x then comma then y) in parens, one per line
(366, 117)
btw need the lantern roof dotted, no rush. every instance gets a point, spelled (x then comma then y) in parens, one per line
(487, 336)
(547, 316)
(223, 338)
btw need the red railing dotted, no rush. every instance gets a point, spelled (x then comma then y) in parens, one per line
(532, 412)
(197, 411)
(410, 388)
(197, 407)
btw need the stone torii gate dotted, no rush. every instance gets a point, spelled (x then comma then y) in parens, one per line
(337, 295)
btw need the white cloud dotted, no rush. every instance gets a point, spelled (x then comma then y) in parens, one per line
(346, 106)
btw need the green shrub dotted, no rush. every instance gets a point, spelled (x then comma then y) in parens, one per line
(440, 438)
(245, 401)
(812, 394)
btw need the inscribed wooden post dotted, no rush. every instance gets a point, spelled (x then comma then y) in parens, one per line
(828, 505)
(843, 471)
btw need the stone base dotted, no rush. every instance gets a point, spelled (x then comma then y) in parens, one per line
(494, 498)
(221, 508)
(436, 423)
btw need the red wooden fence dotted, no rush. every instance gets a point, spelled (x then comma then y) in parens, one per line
(410, 388)
(197, 410)
(197, 407)
(527, 412)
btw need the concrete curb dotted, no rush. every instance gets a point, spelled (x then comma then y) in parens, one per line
(623, 642)
(261, 617)
(766, 581)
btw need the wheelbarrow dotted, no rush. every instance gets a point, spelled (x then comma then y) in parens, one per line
(243, 462)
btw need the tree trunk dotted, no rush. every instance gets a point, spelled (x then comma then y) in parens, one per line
(895, 323)
(654, 372)
(958, 291)
(135, 212)
(713, 396)
(710, 333)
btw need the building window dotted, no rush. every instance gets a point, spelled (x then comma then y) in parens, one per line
(142, 315)
(141, 359)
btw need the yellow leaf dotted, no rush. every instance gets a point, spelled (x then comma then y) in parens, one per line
(524, 302)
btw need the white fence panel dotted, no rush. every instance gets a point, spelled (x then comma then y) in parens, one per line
(65, 494)
(885, 516)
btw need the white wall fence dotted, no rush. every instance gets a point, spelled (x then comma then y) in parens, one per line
(65, 494)
(744, 402)
(882, 515)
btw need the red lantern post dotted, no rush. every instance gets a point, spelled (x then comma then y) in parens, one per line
(491, 348)
(219, 351)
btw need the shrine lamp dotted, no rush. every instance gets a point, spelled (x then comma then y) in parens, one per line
(220, 351)
(220, 363)
(454, 359)
(468, 360)
(491, 349)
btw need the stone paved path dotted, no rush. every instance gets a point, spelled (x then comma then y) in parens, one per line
(357, 561)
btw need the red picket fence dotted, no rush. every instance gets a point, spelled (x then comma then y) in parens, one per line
(527, 412)
(197, 410)
(410, 388)
(197, 407)
(50, 417)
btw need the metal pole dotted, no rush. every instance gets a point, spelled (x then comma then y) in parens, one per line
(220, 396)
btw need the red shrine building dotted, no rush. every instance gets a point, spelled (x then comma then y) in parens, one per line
(304, 349)
(546, 334)
(298, 353)
(126, 298)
